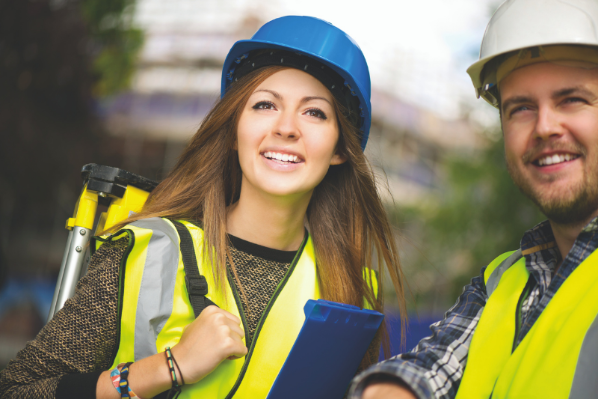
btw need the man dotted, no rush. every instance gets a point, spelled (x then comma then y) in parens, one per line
(527, 327)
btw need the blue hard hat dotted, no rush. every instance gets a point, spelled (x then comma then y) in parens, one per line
(319, 40)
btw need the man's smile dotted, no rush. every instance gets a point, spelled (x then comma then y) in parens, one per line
(553, 159)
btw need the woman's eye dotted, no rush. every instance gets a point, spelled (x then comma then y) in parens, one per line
(316, 113)
(264, 105)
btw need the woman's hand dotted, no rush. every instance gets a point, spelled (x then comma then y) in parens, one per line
(214, 336)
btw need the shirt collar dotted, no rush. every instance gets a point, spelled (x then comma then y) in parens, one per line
(537, 238)
(592, 226)
(541, 237)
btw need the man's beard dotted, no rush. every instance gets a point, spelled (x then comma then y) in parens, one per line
(572, 206)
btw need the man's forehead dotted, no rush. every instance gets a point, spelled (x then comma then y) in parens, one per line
(549, 79)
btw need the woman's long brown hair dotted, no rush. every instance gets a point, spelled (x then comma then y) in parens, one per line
(346, 218)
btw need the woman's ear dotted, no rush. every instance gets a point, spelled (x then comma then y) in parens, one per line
(338, 159)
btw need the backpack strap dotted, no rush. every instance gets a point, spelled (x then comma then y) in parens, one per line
(497, 273)
(197, 286)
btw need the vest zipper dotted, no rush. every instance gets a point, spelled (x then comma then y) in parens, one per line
(262, 319)
(518, 320)
(239, 304)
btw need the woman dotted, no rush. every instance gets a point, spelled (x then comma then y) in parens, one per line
(282, 149)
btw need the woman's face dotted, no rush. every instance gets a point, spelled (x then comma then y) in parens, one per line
(287, 136)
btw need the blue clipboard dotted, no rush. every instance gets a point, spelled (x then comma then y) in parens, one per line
(330, 346)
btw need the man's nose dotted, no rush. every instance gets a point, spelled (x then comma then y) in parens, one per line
(549, 124)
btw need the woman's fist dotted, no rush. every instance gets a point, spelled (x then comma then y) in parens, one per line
(214, 336)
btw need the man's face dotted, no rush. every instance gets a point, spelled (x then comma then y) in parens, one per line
(549, 115)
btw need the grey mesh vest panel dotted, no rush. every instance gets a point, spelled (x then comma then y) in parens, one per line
(494, 278)
(156, 293)
(585, 381)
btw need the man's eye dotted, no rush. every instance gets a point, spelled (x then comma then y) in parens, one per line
(264, 105)
(520, 108)
(315, 112)
(573, 100)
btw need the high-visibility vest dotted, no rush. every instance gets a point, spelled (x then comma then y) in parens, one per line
(558, 358)
(155, 308)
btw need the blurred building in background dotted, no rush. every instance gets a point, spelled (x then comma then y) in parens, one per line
(80, 87)
(177, 81)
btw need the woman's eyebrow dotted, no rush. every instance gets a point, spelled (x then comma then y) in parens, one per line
(303, 100)
(274, 93)
(310, 98)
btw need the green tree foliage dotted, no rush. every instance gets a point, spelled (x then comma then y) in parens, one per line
(114, 41)
(478, 214)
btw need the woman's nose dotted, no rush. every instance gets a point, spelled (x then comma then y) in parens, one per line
(287, 126)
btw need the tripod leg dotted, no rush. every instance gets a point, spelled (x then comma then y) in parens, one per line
(72, 267)
(77, 244)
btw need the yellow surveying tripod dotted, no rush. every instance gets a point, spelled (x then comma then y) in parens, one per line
(122, 192)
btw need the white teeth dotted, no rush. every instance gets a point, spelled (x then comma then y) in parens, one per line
(281, 157)
(556, 158)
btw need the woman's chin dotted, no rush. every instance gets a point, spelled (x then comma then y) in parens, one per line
(282, 191)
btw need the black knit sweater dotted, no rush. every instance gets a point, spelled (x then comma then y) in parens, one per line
(78, 344)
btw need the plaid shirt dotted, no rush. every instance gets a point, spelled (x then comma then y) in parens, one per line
(434, 368)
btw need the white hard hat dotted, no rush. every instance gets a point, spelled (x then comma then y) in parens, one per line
(521, 24)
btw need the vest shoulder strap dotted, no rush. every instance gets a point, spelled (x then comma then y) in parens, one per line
(197, 286)
(497, 273)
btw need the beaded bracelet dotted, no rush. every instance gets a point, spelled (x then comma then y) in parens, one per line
(119, 377)
(175, 390)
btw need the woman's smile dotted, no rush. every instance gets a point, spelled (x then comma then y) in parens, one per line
(282, 158)
(283, 161)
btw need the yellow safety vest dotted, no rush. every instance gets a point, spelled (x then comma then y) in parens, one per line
(558, 358)
(156, 308)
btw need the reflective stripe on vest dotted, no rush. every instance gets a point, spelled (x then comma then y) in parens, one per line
(156, 308)
(558, 357)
